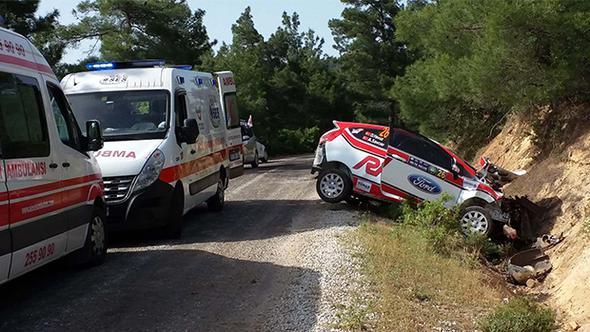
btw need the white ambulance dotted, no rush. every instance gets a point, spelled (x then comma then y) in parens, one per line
(51, 193)
(166, 139)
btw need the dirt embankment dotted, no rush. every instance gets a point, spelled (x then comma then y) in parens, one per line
(553, 146)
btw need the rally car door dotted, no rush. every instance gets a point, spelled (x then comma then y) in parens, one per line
(33, 175)
(418, 169)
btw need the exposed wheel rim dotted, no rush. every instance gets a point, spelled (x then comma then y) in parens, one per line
(475, 222)
(97, 236)
(332, 185)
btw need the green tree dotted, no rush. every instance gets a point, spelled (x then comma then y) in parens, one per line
(20, 17)
(482, 59)
(151, 29)
(371, 57)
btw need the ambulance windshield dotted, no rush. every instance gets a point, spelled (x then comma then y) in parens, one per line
(124, 115)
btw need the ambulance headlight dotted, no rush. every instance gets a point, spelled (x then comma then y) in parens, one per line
(151, 170)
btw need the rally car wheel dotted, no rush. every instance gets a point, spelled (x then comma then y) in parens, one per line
(333, 185)
(217, 202)
(476, 220)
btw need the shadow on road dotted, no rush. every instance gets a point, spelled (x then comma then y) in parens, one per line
(240, 221)
(161, 290)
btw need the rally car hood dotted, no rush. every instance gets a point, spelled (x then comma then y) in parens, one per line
(125, 158)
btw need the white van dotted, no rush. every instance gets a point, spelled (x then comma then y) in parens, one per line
(166, 134)
(51, 192)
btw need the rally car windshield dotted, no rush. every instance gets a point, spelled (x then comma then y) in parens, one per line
(124, 115)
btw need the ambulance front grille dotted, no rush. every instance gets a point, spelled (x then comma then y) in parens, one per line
(117, 188)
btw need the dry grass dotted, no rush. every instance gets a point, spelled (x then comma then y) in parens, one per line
(419, 289)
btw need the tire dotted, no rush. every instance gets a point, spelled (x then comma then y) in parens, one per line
(217, 202)
(334, 185)
(476, 219)
(94, 251)
(176, 222)
(256, 161)
(265, 158)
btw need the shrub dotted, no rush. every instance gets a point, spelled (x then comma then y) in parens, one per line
(291, 141)
(519, 315)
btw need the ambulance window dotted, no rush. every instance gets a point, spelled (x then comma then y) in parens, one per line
(67, 128)
(180, 108)
(232, 113)
(23, 127)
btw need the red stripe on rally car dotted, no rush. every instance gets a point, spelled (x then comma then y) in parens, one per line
(25, 63)
(398, 192)
(395, 152)
(450, 178)
(174, 173)
(360, 145)
(488, 190)
(20, 193)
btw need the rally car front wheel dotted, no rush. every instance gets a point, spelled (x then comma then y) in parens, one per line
(476, 220)
(334, 185)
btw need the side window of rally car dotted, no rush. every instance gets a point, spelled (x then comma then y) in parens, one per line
(23, 127)
(422, 148)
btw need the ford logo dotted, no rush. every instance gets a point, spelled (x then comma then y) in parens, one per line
(424, 184)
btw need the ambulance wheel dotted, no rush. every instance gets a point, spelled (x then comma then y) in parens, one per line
(256, 161)
(217, 202)
(334, 185)
(476, 219)
(176, 222)
(94, 251)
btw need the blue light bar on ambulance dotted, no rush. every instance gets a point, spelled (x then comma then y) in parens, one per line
(125, 64)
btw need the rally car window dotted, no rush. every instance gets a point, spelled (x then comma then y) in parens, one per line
(374, 136)
(421, 148)
(68, 130)
(23, 127)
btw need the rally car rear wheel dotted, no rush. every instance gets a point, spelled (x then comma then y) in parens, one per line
(476, 220)
(333, 185)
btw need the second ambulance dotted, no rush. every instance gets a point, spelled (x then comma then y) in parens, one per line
(167, 139)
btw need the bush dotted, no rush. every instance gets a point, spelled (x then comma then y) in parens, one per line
(290, 141)
(439, 223)
(519, 315)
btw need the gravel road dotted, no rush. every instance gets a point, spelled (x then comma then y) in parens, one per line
(273, 260)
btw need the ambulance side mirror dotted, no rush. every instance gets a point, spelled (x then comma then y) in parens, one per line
(190, 131)
(94, 139)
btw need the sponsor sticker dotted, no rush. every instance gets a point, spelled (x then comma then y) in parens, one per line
(363, 185)
(424, 184)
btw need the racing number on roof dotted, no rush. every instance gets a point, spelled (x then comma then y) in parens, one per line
(372, 165)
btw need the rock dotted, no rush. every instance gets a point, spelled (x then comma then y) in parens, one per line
(573, 325)
(531, 283)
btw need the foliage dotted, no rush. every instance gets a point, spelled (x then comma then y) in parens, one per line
(371, 57)
(417, 287)
(480, 60)
(151, 29)
(519, 315)
(286, 83)
(19, 16)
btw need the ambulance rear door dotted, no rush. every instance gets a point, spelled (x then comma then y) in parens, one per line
(5, 241)
(229, 102)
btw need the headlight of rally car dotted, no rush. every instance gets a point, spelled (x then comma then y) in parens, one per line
(151, 170)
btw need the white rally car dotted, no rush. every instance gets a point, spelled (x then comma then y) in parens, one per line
(392, 165)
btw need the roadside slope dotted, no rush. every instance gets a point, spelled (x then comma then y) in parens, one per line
(555, 151)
